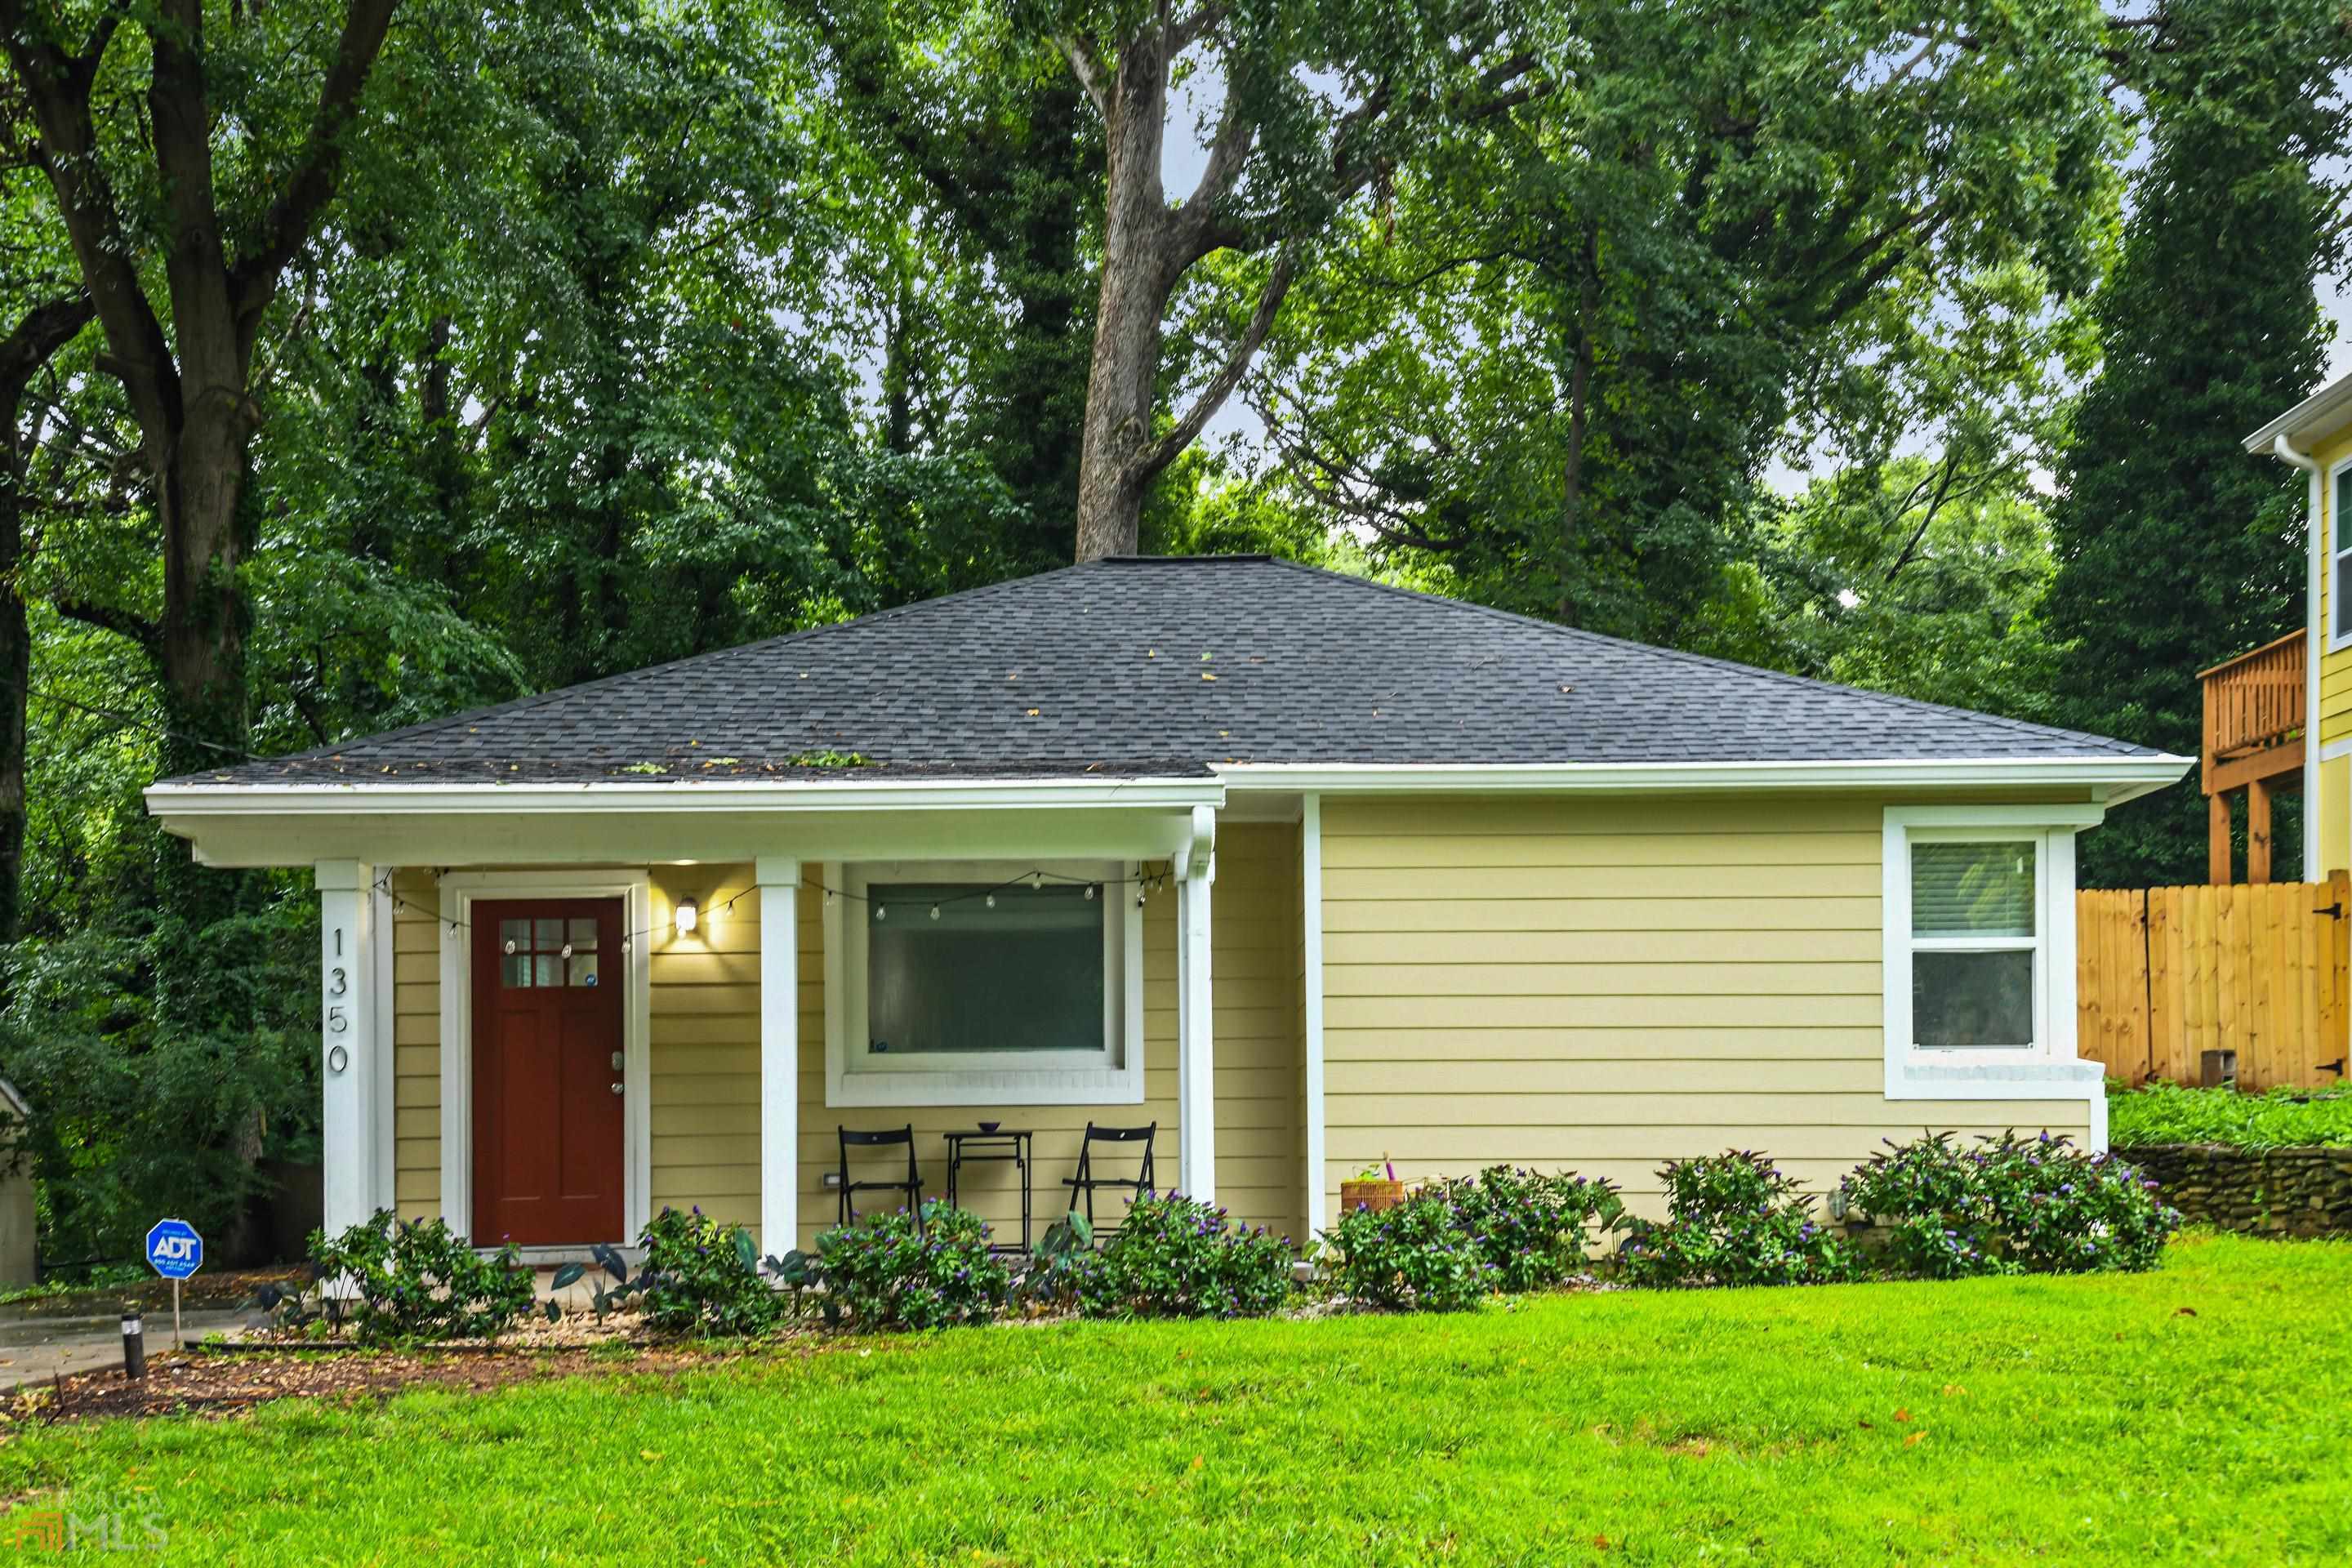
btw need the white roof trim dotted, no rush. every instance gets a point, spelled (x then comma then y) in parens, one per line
(346, 797)
(2126, 776)
(2319, 414)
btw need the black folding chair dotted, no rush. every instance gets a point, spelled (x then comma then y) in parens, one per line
(912, 1187)
(1086, 1181)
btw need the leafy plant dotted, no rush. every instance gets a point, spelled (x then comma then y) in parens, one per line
(699, 1276)
(798, 1272)
(1176, 1257)
(1064, 1256)
(2281, 1119)
(1733, 1218)
(1528, 1225)
(885, 1272)
(1413, 1257)
(2015, 1204)
(417, 1280)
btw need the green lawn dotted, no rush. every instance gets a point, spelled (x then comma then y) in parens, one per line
(2201, 1414)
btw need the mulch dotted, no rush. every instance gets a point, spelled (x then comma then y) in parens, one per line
(217, 1384)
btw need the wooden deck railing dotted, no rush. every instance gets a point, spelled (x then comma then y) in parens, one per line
(2254, 736)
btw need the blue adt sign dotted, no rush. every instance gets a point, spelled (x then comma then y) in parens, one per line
(174, 1249)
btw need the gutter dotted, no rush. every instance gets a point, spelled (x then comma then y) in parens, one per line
(2315, 643)
(192, 800)
(2123, 778)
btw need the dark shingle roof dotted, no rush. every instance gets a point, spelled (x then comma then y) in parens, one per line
(1169, 667)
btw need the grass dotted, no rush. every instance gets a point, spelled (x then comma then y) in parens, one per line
(2282, 1119)
(2200, 1413)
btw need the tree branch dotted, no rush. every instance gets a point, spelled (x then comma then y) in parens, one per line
(1189, 424)
(313, 182)
(1186, 32)
(1086, 65)
(107, 618)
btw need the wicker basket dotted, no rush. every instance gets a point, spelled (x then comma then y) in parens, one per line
(1375, 1196)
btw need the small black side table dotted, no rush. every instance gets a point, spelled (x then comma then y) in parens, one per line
(1006, 1143)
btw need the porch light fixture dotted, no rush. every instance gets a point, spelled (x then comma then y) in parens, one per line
(688, 916)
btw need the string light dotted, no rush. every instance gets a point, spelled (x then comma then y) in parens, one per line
(935, 911)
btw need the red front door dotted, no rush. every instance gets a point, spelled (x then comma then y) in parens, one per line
(547, 1072)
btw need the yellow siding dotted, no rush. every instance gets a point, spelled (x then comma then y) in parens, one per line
(1604, 986)
(2336, 668)
(416, 1045)
(2334, 814)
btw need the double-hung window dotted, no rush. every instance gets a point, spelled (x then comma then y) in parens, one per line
(963, 982)
(2339, 558)
(1979, 940)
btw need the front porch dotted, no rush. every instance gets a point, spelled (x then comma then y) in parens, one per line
(744, 996)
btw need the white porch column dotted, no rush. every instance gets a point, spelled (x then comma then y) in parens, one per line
(1196, 1090)
(349, 1040)
(1310, 910)
(779, 879)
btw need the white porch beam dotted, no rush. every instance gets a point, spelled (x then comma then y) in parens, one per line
(779, 880)
(1196, 1090)
(349, 1040)
(1311, 912)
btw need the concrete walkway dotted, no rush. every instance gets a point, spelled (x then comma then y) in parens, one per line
(34, 1348)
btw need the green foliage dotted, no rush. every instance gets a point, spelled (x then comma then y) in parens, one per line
(417, 1282)
(1178, 1258)
(2279, 1117)
(2176, 549)
(1733, 1218)
(699, 1276)
(1529, 1227)
(1410, 1258)
(883, 1272)
(2013, 1204)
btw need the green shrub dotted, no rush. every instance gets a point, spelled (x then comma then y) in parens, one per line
(882, 1273)
(1529, 1227)
(2063, 1211)
(2015, 1204)
(1937, 1215)
(699, 1276)
(418, 1281)
(1176, 1258)
(1413, 1257)
(2281, 1119)
(1733, 1219)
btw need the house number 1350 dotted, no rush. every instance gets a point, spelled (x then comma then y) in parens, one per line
(338, 1022)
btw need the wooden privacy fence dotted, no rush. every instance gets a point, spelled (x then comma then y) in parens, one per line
(2165, 975)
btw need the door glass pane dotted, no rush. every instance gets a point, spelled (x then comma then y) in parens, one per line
(584, 936)
(515, 931)
(548, 970)
(550, 935)
(584, 968)
(1025, 974)
(1972, 889)
(514, 969)
(1972, 999)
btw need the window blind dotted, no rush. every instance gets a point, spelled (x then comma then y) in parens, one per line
(1972, 889)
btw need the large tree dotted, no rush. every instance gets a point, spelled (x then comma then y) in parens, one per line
(2175, 550)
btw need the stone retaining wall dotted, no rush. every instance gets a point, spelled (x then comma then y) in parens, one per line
(2274, 1192)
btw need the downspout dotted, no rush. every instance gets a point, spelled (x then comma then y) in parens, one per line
(2315, 639)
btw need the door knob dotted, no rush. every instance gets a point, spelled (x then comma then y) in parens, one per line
(616, 1088)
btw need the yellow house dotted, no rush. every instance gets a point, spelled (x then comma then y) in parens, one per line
(2316, 436)
(1299, 872)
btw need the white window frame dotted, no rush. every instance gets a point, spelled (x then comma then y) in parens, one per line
(2339, 633)
(853, 1077)
(2049, 1069)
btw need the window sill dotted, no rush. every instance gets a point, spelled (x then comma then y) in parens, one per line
(1920, 1076)
(1111, 1085)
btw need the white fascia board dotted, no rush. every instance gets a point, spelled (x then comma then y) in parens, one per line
(2316, 417)
(2122, 777)
(343, 799)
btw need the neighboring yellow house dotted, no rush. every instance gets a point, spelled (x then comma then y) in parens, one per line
(2316, 436)
(1303, 872)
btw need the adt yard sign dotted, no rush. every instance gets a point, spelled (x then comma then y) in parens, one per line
(174, 1249)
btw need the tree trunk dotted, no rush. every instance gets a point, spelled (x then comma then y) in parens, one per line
(44, 330)
(1123, 375)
